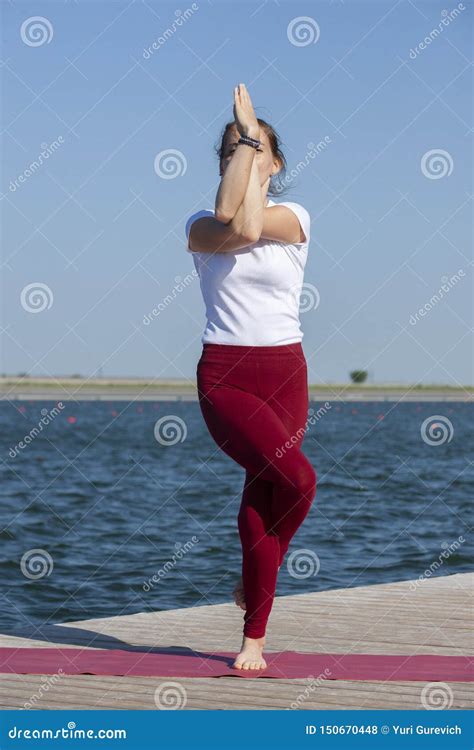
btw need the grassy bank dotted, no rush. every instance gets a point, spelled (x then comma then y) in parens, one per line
(99, 385)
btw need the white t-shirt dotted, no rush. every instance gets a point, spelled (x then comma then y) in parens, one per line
(252, 295)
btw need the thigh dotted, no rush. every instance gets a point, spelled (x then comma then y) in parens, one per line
(285, 390)
(247, 429)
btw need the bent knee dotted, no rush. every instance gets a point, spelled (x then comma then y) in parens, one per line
(307, 484)
(304, 481)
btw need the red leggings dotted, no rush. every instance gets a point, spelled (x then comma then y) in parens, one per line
(254, 400)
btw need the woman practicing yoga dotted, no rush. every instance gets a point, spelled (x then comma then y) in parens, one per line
(250, 255)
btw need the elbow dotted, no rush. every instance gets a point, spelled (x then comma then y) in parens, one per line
(223, 216)
(250, 236)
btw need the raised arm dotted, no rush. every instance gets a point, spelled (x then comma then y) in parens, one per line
(241, 217)
(209, 235)
(253, 221)
(238, 160)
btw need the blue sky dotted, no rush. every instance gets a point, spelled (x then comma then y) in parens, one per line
(101, 231)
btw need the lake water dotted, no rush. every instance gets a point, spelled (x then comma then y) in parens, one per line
(110, 499)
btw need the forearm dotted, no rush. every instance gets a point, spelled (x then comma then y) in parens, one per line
(234, 183)
(248, 219)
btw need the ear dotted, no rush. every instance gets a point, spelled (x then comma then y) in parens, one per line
(277, 165)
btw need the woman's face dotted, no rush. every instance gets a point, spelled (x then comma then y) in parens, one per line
(267, 164)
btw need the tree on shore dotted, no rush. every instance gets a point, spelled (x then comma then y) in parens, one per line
(358, 376)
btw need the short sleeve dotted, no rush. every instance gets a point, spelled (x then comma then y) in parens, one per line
(304, 219)
(192, 218)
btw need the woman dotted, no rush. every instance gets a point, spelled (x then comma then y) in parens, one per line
(250, 255)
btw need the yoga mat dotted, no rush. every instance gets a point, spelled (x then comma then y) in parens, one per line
(281, 664)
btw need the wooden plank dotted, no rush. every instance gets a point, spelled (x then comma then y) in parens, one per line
(435, 617)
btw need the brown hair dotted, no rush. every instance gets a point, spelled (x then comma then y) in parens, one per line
(277, 184)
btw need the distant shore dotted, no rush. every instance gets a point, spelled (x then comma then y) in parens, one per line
(145, 389)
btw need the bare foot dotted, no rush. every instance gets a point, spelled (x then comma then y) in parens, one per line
(239, 596)
(250, 656)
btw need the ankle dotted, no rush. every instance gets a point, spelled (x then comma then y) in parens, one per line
(259, 641)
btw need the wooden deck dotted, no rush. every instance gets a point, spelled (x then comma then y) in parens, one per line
(388, 618)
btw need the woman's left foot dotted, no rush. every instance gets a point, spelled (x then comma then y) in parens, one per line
(251, 654)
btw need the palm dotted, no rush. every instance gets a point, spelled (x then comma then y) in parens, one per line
(244, 114)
